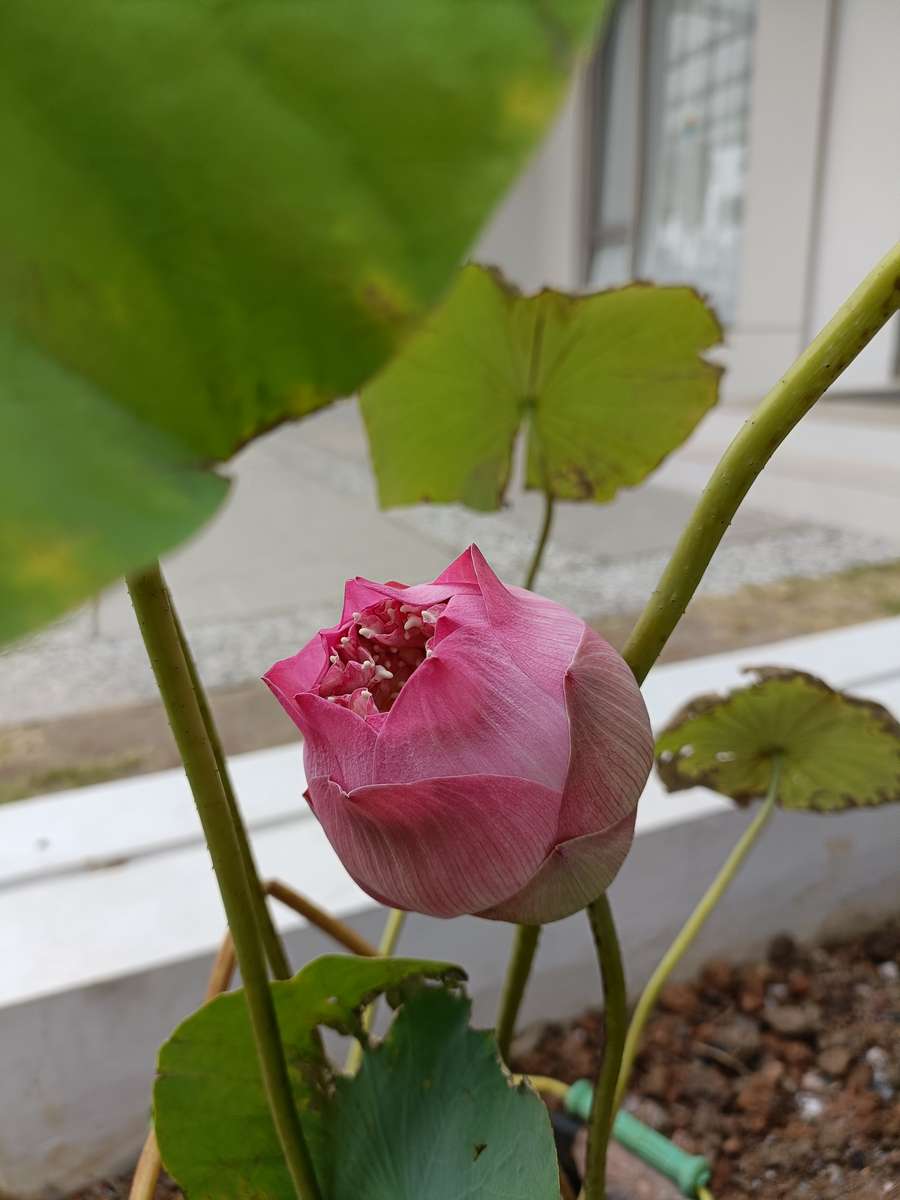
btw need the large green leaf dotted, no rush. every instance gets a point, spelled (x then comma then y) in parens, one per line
(609, 383)
(432, 1113)
(836, 751)
(215, 216)
(210, 1112)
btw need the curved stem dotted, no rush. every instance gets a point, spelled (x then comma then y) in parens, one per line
(149, 1165)
(544, 1085)
(390, 935)
(853, 326)
(603, 1109)
(690, 929)
(329, 925)
(159, 629)
(541, 544)
(521, 958)
(274, 947)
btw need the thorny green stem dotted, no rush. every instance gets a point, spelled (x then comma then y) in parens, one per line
(521, 958)
(393, 927)
(851, 328)
(691, 928)
(153, 608)
(274, 948)
(604, 1107)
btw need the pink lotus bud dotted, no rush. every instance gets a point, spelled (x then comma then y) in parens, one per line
(470, 747)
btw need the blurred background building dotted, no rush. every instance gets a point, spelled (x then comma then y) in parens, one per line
(748, 147)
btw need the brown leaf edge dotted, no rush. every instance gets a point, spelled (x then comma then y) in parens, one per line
(668, 764)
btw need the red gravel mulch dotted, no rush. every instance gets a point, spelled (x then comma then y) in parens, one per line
(784, 1073)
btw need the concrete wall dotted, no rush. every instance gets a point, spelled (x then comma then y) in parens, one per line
(860, 213)
(789, 68)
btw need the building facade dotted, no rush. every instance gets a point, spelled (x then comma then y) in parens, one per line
(748, 147)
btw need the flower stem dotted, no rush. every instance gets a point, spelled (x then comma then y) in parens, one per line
(603, 1109)
(853, 326)
(159, 629)
(390, 935)
(274, 948)
(330, 925)
(541, 544)
(691, 928)
(523, 952)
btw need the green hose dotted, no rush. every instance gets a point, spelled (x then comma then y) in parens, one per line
(689, 1172)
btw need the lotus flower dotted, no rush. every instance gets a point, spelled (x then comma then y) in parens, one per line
(469, 747)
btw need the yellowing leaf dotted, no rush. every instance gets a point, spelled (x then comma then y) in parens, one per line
(837, 751)
(608, 384)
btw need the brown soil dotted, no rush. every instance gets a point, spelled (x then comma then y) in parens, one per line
(74, 751)
(784, 1073)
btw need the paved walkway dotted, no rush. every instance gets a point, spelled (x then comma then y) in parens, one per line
(302, 518)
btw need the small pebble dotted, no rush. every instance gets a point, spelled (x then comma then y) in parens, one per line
(835, 1060)
(810, 1106)
(813, 1082)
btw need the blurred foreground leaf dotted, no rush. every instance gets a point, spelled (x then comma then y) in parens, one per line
(215, 217)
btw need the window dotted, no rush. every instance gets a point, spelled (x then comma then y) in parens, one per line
(673, 94)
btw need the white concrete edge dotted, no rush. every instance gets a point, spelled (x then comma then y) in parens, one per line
(87, 826)
(70, 859)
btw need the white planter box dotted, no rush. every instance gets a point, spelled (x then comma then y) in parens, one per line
(110, 913)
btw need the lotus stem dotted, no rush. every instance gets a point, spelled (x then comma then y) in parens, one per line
(851, 329)
(149, 1164)
(541, 543)
(159, 628)
(690, 929)
(393, 927)
(524, 949)
(323, 920)
(545, 1085)
(615, 1019)
(274, 947)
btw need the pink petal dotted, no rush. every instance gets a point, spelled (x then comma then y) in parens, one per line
(469, 710)
(359, 593)
(461, 570)
(539, 635)
(336, 741)
(462, 611)
(612, 743)
(290, 676)
(575, 873)
(443, 847)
